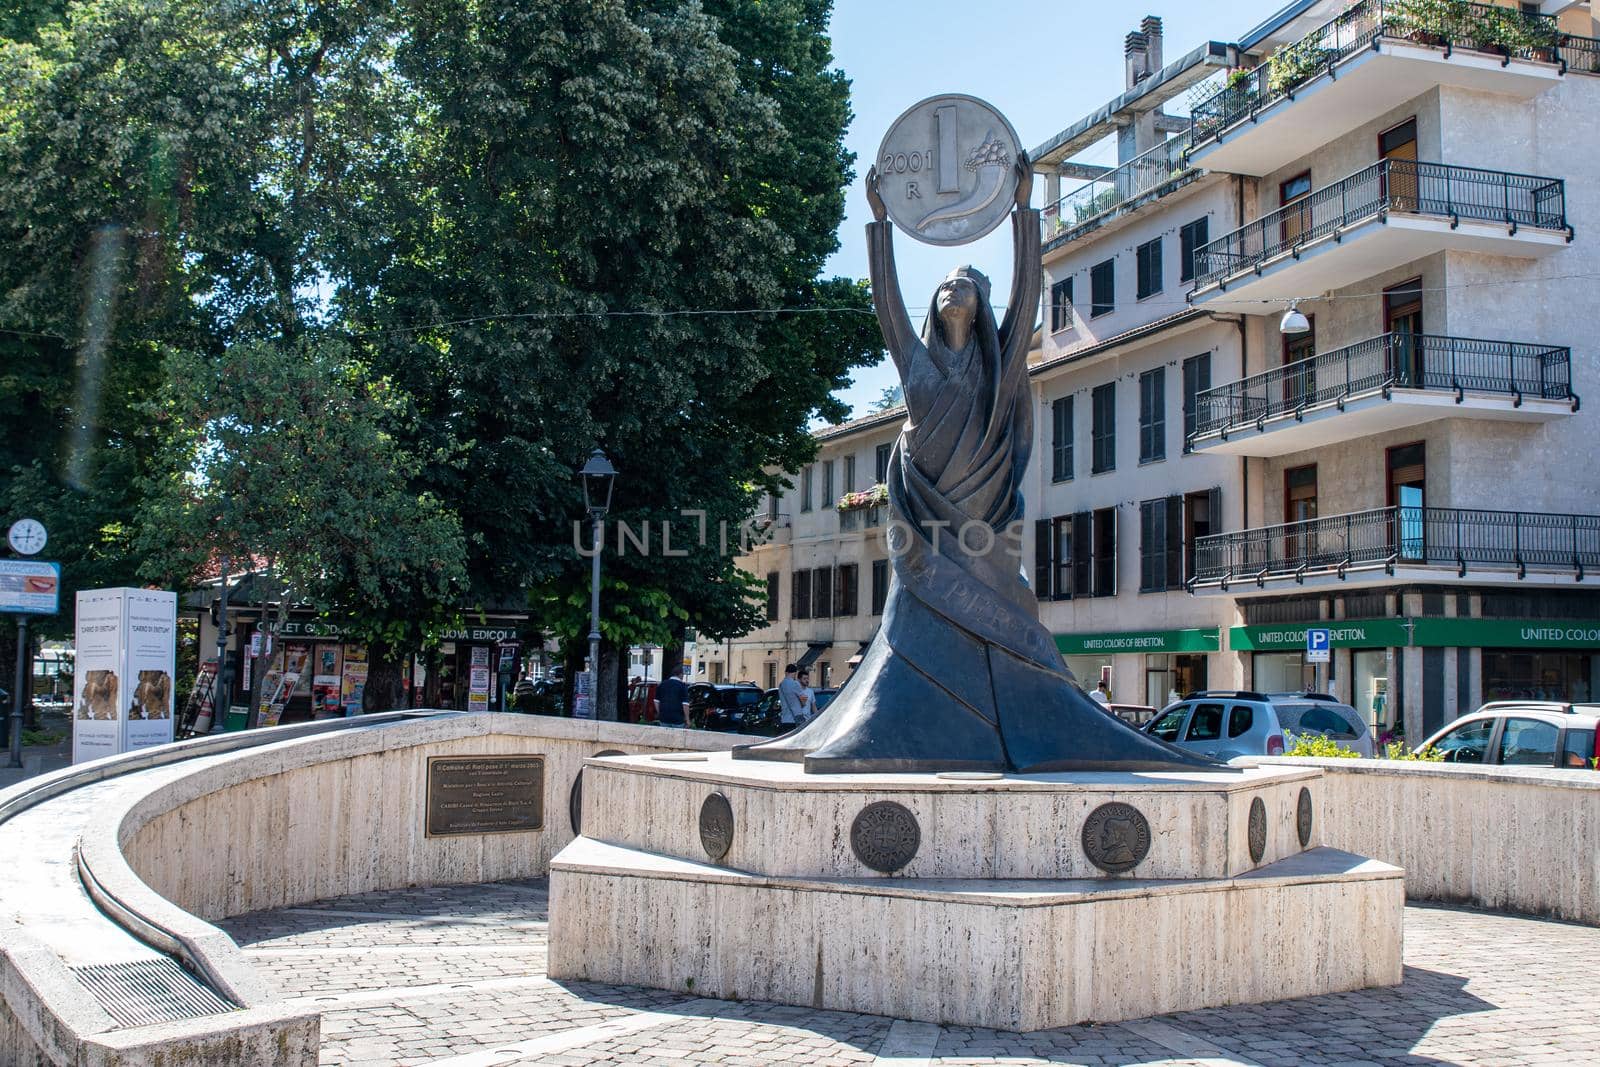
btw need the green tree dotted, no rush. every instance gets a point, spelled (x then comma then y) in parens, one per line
(592, 171)
(891, 397)
(282, 457)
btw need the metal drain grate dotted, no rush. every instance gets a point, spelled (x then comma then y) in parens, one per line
(149, 991)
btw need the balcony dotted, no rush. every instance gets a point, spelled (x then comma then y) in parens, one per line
(1380, 384)
(1406, 544)
(1356, 68)
(1392, 213)
(863, 518)
(1158, 171)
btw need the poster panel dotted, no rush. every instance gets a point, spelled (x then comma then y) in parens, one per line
(353, 687)
(97, 689)
(151, 646)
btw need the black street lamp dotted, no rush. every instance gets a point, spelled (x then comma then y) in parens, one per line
(598, 477)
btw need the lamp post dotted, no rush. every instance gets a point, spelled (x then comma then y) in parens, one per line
(598, 477)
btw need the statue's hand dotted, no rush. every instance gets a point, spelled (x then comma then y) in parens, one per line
(1024, 180)
(874, 197)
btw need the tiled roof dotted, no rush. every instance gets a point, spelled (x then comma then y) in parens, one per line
(1117, 340)
(865, 422)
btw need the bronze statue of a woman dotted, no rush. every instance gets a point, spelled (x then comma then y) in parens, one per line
(961, 675)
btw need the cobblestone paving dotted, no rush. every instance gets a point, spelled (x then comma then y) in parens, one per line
(430, 975)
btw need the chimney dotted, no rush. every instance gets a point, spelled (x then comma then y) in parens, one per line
(1151, 28)
(1136, 60)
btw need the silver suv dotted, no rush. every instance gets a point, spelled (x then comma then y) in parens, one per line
(1224, 723)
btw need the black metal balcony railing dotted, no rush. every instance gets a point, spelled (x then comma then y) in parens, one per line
(1390, 185)
(1390, 361)
(1162, 164)
(1449, 24)
(1386, 537)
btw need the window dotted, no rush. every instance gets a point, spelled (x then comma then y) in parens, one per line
(805, 488)
(1061, 426)
(1240, 718)
(1061, 305)
(1148, 256)
(1202, 517)
(1160, 544)
(1153, 415)
(849, 474)
(846, 587)
(1467, 743)
(1063, 563)
(800, 595)
(1190, 239)
(1103, 428)
(1196, 380)
(1295, 222)
(1166, 728)
(1206, 725)
(822, 593)
(883, 463)
(1102, 288)
(1315, 719)
(827, 483)
(1061, 548)
(1105, 552)
(772, 675)
(1529, 742)
(1300, 493)
(880, 585)
(1577, 747)
(774, 579)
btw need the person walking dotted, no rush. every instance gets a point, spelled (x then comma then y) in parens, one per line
(1101, 694)
(670, 695)
(792, 700)
(809, 701)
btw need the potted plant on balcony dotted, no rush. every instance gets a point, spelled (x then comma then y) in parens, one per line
(1429, 22)
(1295, 63)
(875, 497)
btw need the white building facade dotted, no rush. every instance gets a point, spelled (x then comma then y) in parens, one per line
(1415, 471)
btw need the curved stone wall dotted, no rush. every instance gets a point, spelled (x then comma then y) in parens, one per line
(1517, 839)
(344, 813)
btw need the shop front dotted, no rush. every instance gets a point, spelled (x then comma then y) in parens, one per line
(1524, 659)
(1363, 661)
(1152, 667)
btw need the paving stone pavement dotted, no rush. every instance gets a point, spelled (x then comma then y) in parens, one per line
(455, 977)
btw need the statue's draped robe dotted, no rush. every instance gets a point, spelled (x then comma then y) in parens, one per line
(961, 675)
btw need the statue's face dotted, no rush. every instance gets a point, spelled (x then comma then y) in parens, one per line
(957, 301)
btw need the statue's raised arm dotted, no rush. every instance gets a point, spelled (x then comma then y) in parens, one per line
(1026, 267)
(898, 333)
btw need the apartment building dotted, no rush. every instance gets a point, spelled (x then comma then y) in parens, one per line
(1418, 475)
(1311, 354)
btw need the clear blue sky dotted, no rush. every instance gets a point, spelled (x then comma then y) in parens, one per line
(1044, 65)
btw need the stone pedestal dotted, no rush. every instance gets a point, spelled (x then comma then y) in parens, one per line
(1013, 902)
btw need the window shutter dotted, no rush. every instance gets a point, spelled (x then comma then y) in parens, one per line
(1174, 542)
(1214, 510)
(1082, 553)
(1043, 567)
(800, 594)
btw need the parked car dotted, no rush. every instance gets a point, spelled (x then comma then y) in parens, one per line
(1135, 715)
(764, 717)
(1305, 714)
(1522, 733)
(824, 698)
(721, 707)
(1221, 724)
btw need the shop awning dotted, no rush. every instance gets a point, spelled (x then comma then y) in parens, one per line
(813, 650)
(855, 660)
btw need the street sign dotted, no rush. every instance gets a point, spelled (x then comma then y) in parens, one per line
(30, 587)
(1318, 643)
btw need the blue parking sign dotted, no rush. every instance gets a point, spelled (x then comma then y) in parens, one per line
(1318, 642)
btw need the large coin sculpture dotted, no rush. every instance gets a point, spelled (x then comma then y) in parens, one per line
(947, 169)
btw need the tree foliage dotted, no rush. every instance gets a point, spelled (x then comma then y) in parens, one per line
(282, 456)
(538, 227)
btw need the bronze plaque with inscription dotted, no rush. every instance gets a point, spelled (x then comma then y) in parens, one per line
(485, 794)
